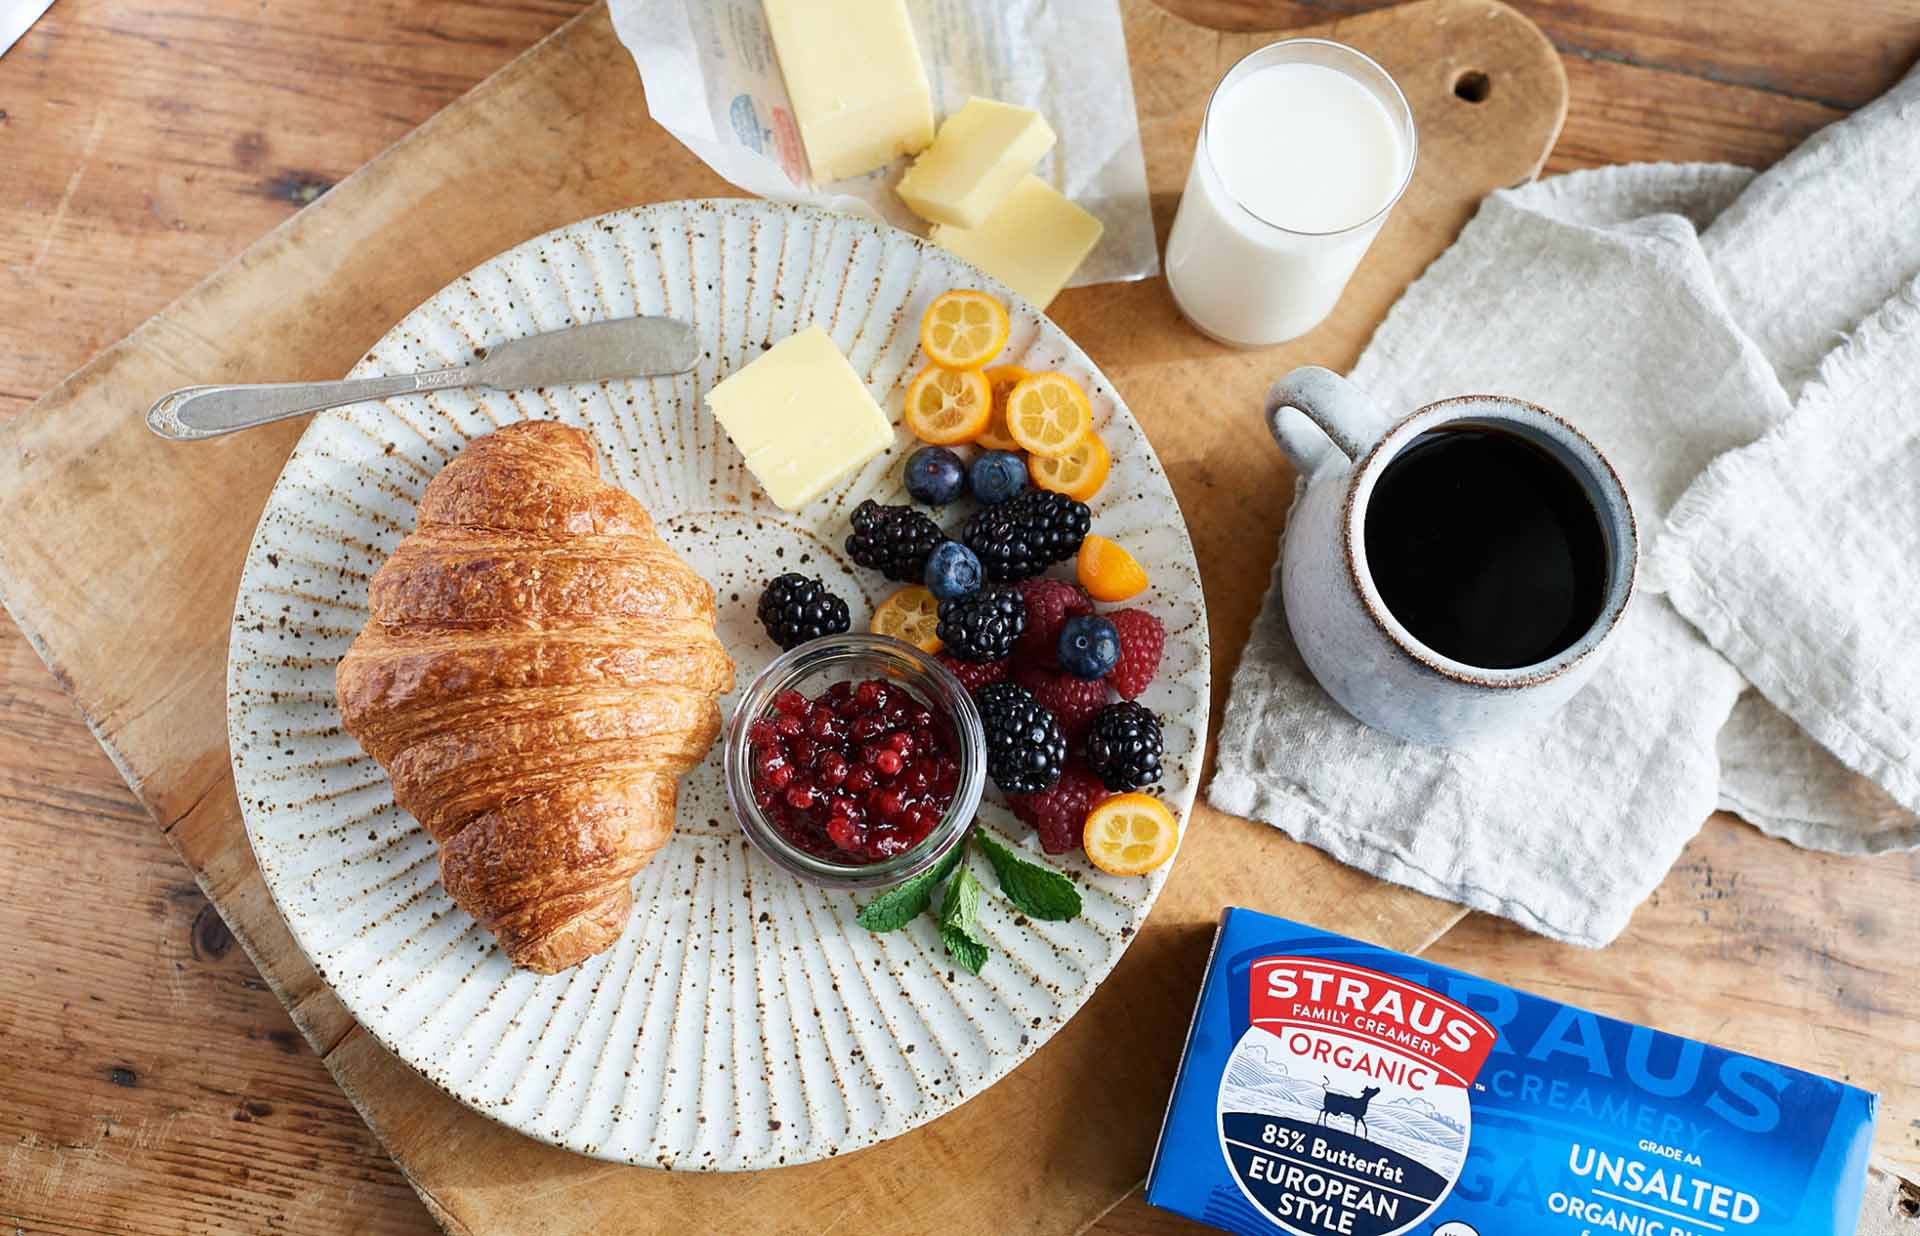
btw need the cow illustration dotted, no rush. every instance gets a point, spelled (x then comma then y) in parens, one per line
(1353, 1107)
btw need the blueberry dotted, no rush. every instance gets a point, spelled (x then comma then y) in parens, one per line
(1089, 647)
(935, 475)
(952, 572)
(998, 476)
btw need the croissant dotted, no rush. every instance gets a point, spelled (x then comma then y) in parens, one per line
(537, 669)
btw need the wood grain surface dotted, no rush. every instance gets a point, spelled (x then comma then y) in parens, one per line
(150, 1082)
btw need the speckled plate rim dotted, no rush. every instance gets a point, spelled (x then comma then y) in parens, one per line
(1199, 720)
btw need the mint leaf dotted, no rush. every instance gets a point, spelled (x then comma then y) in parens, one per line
(967, 953)
(1036, 891)
(961, 909)
(958, 915)
(909, 899)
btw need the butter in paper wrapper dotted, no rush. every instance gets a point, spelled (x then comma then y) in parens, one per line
(712, 80)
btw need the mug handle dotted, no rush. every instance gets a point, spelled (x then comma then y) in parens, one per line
(1320, 418)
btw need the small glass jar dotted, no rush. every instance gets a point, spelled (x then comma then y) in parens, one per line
(812, 668)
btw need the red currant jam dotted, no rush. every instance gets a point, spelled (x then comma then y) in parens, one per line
(861, 772)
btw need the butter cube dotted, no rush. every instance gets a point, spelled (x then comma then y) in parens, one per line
(801, 416)
(1033, 242)
(854, 75)
(976, 160)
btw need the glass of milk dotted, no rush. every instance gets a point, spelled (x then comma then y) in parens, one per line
(1305, 147)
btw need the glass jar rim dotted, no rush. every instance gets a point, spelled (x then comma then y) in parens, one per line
(925, 677)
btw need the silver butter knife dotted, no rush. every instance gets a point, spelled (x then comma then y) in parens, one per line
(596, 352)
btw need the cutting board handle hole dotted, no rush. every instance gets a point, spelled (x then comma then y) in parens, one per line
(1473, 86)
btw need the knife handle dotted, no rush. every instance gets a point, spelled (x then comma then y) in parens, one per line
(196, 412)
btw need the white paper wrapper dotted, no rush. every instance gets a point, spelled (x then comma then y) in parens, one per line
(713, 82)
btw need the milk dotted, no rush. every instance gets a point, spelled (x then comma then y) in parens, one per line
(1305, 146)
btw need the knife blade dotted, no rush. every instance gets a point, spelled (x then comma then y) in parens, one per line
(596, 352)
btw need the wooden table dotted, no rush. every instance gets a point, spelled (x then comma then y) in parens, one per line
(148, 1080)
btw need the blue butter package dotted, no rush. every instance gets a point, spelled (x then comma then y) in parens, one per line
(1332, 1088)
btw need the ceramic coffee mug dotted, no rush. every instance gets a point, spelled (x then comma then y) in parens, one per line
(1342, 443)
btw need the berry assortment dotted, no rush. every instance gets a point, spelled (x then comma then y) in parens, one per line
(860, 773)
(1042, 664)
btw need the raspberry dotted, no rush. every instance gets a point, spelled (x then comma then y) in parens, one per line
(975, 674)
(1074, 702)
(1058, 815)
(1142, 640)
(1050, 602)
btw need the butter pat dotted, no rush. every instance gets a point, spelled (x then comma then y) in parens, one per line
(976, 160)
(1033, 242)
(854, 75)
(801, 416)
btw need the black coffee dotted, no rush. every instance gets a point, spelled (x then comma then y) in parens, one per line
(1486, 548)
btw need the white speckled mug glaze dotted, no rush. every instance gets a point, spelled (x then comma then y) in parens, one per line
(1341, 441)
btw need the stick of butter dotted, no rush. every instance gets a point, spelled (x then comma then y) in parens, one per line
(801, 416)
(853, 72)
(1032, 243)
(976, 160)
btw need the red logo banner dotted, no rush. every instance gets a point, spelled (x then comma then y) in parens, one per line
(1337, 1014)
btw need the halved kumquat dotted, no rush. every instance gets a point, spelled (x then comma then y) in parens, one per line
(911, 614)
(1130, 834)
(1079, 473)
(1048, 414)
(964, 329)
(1001, 379)
(948, 406)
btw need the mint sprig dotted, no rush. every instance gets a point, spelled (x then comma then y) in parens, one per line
(1036, 891)
(1031, 888)
(910, 898)
(959, 916)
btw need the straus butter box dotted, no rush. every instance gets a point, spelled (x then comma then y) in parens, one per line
(1332, 1088)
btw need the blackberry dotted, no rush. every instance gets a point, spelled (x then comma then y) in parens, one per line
(795, 609)
(1025, 748)
(985, 625)
(1027, 534)
(893, 540)
(1124, 746)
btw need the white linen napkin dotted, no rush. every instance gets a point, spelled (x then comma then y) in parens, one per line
(1674, 313)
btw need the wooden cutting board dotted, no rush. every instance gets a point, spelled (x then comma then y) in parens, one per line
(120, 554)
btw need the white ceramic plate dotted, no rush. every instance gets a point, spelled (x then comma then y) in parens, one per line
(744, 1019)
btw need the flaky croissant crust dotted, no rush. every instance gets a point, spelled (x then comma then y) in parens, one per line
(537, 670)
